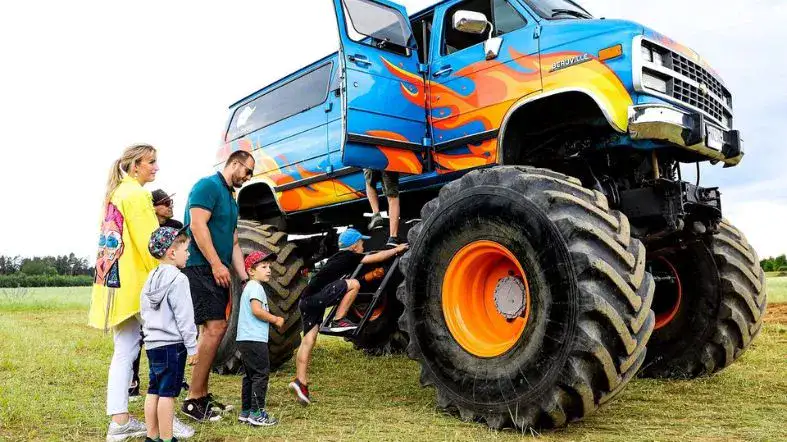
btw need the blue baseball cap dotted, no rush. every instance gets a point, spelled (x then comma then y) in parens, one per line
(350, 237)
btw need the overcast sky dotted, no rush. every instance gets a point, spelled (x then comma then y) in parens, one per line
(81, 80)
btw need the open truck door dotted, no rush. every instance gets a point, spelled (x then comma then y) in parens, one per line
(383, 97)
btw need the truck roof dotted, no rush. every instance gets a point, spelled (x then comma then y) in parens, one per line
(284, 79)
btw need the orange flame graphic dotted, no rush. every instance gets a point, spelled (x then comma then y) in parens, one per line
(398, 159)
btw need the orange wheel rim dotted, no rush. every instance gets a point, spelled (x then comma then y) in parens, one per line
(482, 324)
(664, 318)
(376, 313)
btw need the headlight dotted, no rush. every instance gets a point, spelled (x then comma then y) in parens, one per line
(647, 54)
(653, 82)
(658, 58)
(653, 56)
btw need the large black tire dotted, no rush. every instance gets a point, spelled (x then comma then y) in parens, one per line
(721, 307)
(590, 316)
(284, 290)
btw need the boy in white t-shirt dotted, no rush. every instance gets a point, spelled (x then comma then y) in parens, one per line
(254, 318)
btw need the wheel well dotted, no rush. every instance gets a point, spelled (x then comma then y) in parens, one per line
(540, 130)
(257, 202)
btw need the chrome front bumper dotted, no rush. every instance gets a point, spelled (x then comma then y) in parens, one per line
(688, 130)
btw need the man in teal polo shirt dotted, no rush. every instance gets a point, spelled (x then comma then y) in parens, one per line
(212, 217)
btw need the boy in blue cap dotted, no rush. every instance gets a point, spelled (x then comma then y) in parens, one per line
(331, 286)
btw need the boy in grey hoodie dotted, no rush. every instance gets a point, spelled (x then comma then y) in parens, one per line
(170, 333)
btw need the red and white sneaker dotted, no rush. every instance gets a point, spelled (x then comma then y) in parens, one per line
(342, 325)
(301, 392)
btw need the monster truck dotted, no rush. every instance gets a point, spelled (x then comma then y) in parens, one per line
(556, 250)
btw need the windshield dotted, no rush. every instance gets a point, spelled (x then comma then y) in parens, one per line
(559, 9)
(381, 23)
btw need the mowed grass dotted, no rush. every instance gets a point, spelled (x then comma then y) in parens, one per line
(53, 371)
(777, 289)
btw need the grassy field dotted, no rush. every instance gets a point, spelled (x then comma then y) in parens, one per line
(777, 289)
(53, 372)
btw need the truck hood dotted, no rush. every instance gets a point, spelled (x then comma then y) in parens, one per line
(563, 32)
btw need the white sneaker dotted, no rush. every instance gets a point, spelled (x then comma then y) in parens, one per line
(181, 430)
(132, 428)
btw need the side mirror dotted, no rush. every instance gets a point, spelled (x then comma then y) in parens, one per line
(470, 22)
(492, 47)
(476, 23)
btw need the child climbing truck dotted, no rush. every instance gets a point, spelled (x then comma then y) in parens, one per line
(329, 287)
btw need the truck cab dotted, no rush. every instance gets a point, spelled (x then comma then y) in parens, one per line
(473, 83)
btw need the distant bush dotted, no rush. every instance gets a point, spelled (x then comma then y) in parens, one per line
(22, 280)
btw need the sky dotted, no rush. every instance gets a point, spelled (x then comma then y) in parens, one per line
(80, 80)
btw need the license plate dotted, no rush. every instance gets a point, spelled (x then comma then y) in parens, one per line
(715, 137)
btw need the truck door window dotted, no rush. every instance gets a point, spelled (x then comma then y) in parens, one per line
(377, 25)
(506, 18)
(293, 97)
(502, 15)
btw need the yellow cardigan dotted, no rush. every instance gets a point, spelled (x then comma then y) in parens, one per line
(123, 266)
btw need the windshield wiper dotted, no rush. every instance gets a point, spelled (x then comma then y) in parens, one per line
(571, 12)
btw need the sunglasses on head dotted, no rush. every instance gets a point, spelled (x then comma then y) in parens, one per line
(168, 203)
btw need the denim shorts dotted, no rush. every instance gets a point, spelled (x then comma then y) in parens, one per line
(167, 366)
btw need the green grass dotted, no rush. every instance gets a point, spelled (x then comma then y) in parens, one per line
(53, 370)
(777, 289)
(44, 299)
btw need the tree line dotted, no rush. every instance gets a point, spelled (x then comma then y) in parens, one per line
(45, 271)
(777, 264)
(63, 265)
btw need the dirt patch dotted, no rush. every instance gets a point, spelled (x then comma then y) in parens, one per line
(776, 314)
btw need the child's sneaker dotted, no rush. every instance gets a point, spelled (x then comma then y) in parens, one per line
(181, 430)
(301, 392)
(376, 222)
(199, 410)
(243, 416)
(340, 325)
(132, 428)
(393, 241)
(261, 419)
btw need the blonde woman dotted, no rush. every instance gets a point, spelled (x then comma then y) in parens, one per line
(122, 266)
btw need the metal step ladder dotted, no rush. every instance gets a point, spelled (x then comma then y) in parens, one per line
(375, 299)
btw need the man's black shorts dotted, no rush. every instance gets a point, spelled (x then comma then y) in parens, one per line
(209, 299)
(313, 307)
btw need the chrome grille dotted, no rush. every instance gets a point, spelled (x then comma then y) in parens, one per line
(688, 83)
(688, 68)
(692, 95)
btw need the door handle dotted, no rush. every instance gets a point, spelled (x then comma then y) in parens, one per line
(359, 60)
(444, 70)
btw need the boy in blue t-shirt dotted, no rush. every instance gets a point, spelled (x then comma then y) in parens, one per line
(254, 318)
